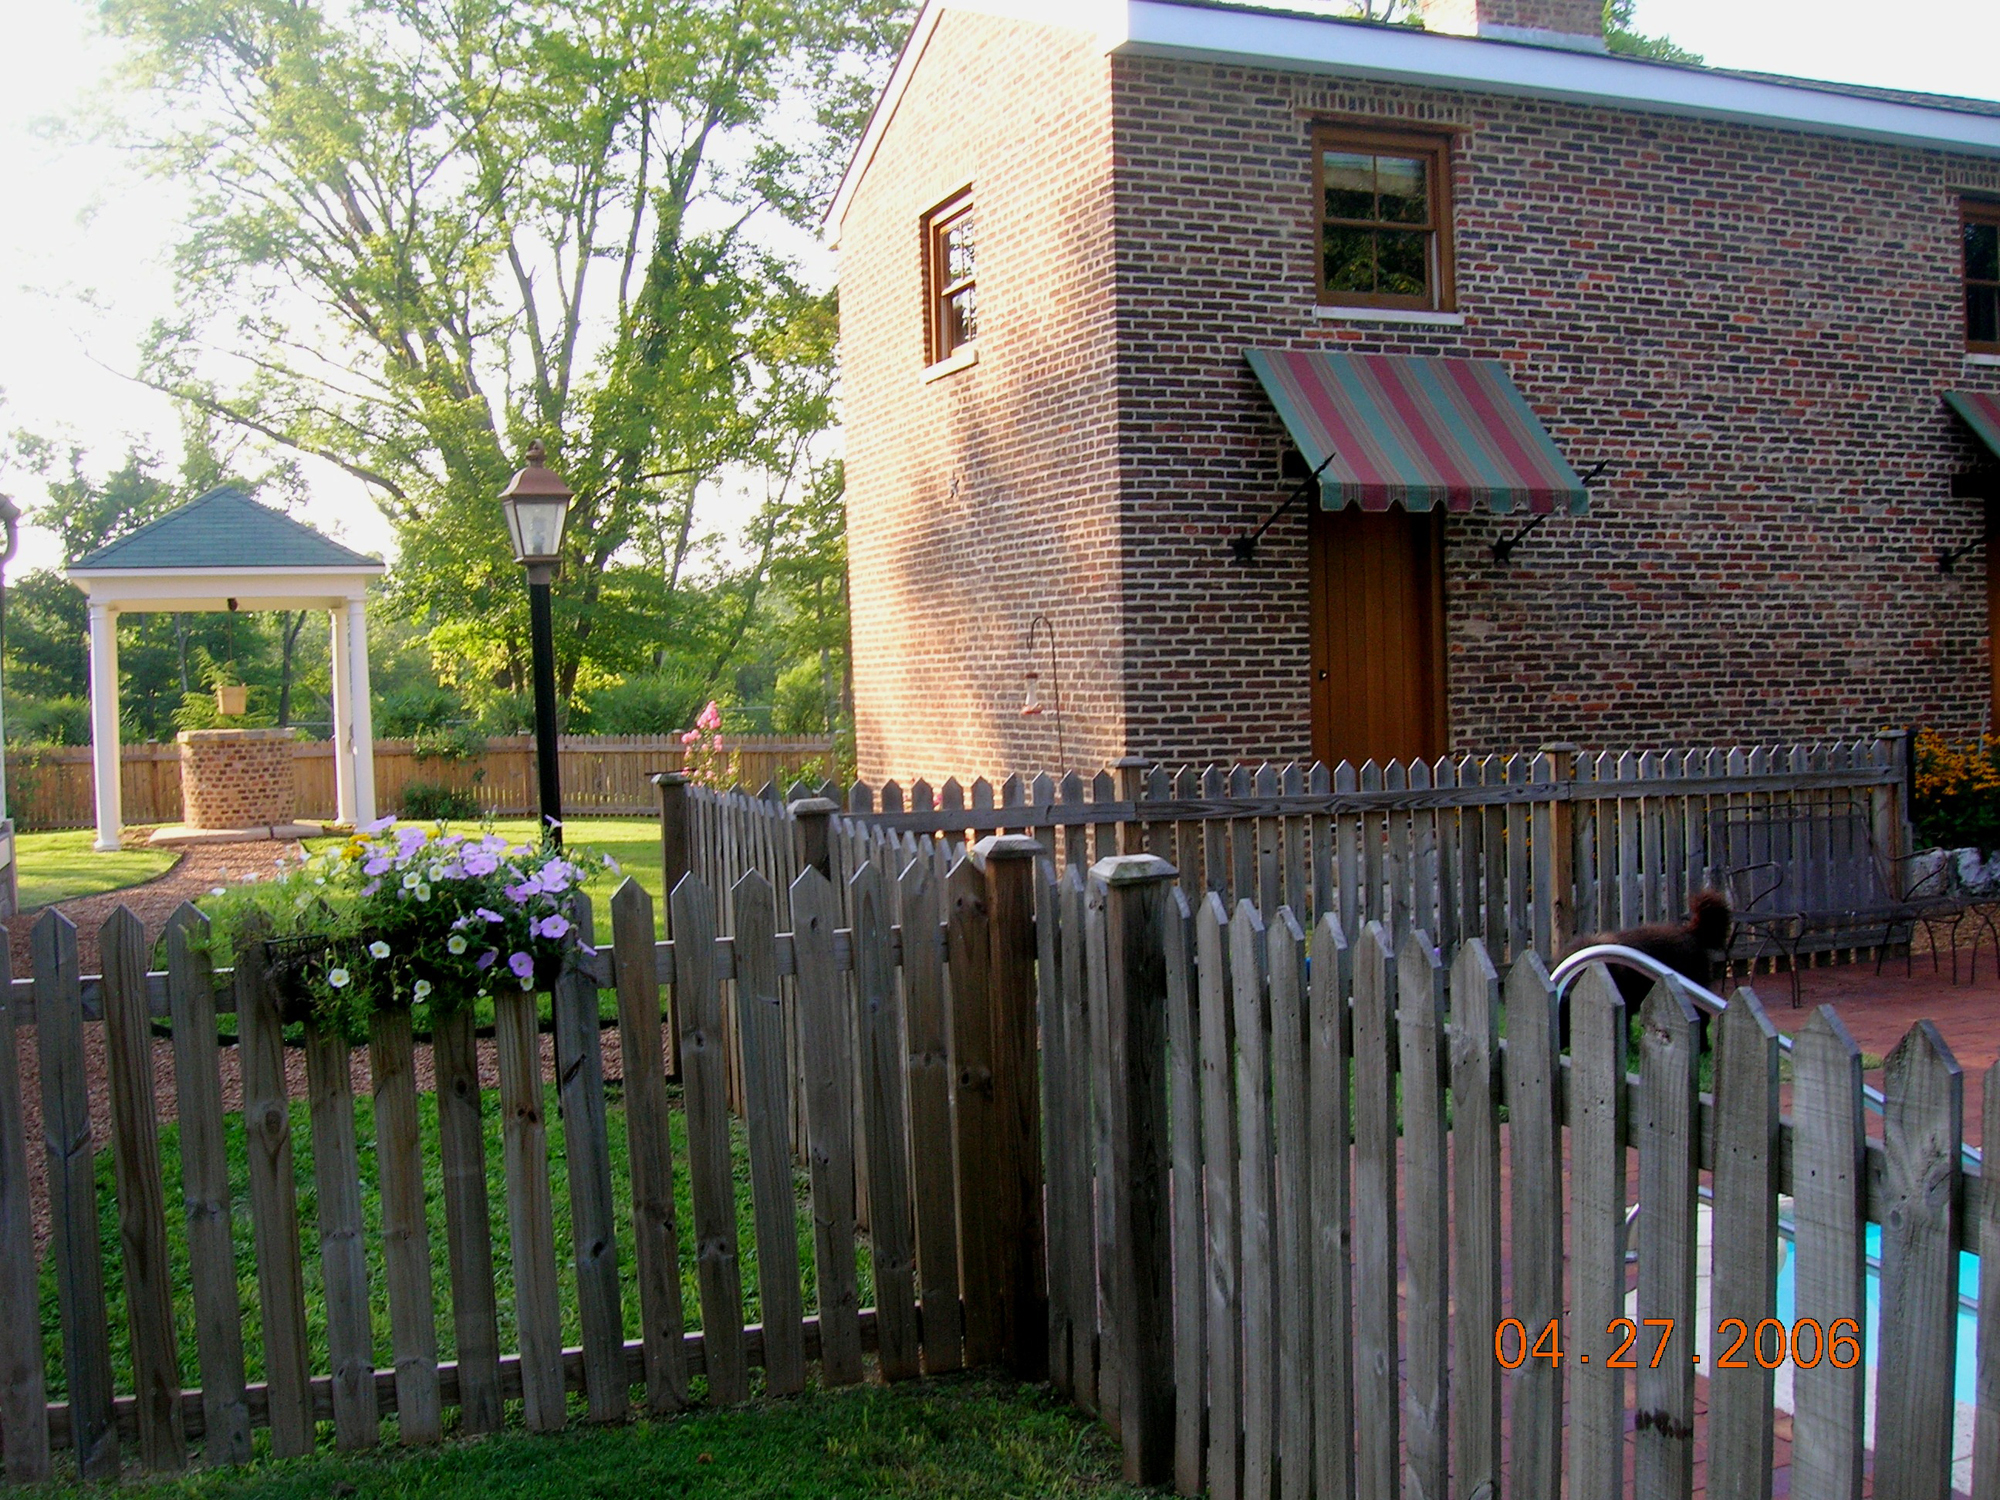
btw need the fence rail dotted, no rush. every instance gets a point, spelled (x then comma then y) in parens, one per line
(51, 787)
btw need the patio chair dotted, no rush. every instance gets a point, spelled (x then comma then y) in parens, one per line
(1800, 872)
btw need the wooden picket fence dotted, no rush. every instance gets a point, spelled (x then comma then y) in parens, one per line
(928, 1101)
(602, 774)
(1278, 1180)
(1524, 850)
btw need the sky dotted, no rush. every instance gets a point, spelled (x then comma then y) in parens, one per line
(84, 248)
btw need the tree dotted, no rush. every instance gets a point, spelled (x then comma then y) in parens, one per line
(1621, 38)
(429, 231)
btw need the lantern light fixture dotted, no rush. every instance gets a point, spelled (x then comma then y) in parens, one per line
(536, 502)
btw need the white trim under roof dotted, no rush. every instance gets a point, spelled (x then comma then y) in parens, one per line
(1297, 41)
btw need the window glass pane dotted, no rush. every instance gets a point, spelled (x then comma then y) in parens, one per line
(1399, 180)
(1982, 251)
(1350, 185)
(1404, 258)
(1349, 260)
(961, 322)
(958, 250)
(1982, 314)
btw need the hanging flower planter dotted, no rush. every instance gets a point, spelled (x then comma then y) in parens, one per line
(407, 915)
(232, 700)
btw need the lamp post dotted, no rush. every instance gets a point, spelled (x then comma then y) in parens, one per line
(537, 503)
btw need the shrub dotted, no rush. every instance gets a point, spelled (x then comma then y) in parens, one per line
(657, 703)
(428, 802)
(407, 714)
(51, 721)
(447, 742)
(1957, 796)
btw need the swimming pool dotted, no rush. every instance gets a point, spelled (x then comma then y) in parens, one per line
(1968, 1291)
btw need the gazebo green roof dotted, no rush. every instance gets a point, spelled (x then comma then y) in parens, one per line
(223, 529)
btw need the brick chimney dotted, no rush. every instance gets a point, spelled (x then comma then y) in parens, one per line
(1575, 24)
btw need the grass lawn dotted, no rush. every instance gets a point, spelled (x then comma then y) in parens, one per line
(965, 1436)
(61, 866)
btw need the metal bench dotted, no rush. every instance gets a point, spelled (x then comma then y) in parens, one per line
(1809, 875)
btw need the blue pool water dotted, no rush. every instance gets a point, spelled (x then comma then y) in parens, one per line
(1968, 1285)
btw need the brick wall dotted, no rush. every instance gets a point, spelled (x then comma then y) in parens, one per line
(983, 498)
(1753, 326)
(237, 778)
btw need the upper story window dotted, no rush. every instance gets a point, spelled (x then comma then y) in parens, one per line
(952, 287)
(1981, 224)
(1384, 219)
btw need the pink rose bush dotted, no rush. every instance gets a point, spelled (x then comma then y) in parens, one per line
(406, 914)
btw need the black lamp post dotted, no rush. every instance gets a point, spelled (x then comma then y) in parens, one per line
(537, 503)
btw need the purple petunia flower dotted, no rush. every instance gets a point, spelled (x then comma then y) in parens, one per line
(489, 914)
(485, 960)
(481, 862)
(553, 926)
(371, 888)
(376, 866)
(522, 965)
(380, 823)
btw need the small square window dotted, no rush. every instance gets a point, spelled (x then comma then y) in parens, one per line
(1979, 229)
(951, 282)
(1384, 215)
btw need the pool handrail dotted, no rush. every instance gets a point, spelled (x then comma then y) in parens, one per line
(1704, 999)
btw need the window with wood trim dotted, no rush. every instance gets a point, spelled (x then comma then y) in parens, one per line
(1980, 226)
(951, 285)
(1384, 211)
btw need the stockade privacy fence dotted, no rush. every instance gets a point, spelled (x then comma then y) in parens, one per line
(954, 1272)
(51, 787)
(1524, 850)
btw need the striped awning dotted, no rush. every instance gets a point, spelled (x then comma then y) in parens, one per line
(1417, 432)
(1981, 413)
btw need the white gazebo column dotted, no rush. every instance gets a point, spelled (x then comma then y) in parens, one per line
(343, 721)
(105, 755)
(363, 717)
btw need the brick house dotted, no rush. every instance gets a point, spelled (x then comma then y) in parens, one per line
(1760, 311)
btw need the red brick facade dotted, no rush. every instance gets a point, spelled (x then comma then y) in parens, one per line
(1752, 325)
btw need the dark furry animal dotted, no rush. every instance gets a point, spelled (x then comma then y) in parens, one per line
(1694, 947)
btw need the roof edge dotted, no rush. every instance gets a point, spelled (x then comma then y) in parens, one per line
(1300, 40)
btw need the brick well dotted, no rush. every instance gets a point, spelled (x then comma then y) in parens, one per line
(237, 778)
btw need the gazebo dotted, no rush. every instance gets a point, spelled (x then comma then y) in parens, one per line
(224, 551)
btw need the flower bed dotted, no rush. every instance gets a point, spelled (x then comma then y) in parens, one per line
(409, 914)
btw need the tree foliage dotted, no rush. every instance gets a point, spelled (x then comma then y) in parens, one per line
(428, 232)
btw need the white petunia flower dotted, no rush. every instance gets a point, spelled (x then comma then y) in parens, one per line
(337, 978)
(423, 892)
(455, 944)
(421, 988)
(379, 949)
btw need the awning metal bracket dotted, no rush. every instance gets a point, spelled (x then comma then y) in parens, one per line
(1503, 550)
(1243, 549)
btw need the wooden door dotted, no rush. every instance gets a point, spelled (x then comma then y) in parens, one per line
(1378, 635)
